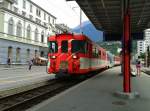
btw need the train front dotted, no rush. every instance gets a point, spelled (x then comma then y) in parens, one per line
(64, 54)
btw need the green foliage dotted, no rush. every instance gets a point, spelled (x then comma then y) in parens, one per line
(111, 46)
(134, 47)
(142, 55)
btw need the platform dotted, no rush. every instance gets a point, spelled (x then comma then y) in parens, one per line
(18, 79)
(146, 70)
(96, 94)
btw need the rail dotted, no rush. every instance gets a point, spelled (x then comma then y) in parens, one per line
(25, 100)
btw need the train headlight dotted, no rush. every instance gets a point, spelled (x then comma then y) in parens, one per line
(53, 57)
(74, 57)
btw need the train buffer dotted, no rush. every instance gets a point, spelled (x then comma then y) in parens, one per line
(97, 94)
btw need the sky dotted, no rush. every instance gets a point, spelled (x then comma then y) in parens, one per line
(65, 12)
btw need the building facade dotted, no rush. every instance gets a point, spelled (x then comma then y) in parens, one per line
(147, 39)
(62, 28)
(143, 44)
(24, 29)
(140, 47)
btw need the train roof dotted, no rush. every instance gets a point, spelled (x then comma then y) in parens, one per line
(75, 36)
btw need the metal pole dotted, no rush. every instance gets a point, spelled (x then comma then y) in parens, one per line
(146, 59)
(80, 20)
(126, 48)
(148, 56)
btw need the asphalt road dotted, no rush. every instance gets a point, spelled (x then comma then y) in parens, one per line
(21, 71)
(10, 77)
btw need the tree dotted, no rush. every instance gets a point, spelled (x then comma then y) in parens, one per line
(142, 55)
(111, 46)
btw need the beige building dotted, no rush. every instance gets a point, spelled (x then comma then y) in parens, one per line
(24, 28)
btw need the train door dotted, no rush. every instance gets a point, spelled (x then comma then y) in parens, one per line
(88, 53)
(53, 51)
(64, 56)
(90, 57)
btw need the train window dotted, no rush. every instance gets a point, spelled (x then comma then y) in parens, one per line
(95, 52)
(103, 53)
(79, 46)
(64, 46)
(53, 47)
(99, 53)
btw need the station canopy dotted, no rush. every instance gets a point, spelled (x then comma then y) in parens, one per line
(107, 15)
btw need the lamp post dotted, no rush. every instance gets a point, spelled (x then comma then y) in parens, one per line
(148, 56)
(80, 18)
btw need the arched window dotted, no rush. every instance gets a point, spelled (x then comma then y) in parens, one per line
(18, 55)
(29, 32)
(48, 35)
(19, 29)
(42, 54)
(36, 34)
(11, 26)
(9, 52)
(36, 53)
(42, 36)
(28, 55)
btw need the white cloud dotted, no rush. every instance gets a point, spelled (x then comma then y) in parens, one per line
(65, 12)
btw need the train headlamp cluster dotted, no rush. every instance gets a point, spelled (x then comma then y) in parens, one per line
(74, 57)
(53, 57)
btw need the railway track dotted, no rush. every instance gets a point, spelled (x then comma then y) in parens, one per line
(25, 100)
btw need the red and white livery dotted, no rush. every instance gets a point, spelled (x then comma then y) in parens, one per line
(74, 55)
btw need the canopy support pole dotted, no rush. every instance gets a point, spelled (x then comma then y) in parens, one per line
(126, 51)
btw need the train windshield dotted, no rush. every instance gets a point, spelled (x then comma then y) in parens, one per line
(79, 46)
(64, 46)
(53, 47)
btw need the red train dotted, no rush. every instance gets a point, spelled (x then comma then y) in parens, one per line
(117, 60)
(76, 55)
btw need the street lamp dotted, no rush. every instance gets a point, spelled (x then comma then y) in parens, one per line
(148, 56)
(80, 18)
